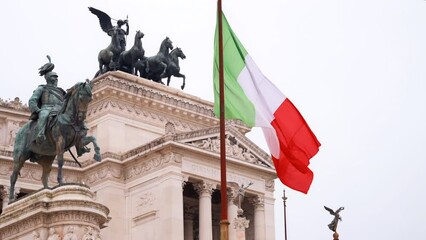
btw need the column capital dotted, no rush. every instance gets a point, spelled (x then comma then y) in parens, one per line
(185, 180)
(258, 201)
(204, 187)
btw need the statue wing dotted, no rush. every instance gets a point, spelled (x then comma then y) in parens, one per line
(104, 19)
(329, 210)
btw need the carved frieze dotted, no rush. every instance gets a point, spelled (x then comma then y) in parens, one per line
(233, 149)
(105, 171)
(132, 111)
(149, 165)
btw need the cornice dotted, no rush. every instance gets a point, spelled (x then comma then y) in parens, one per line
(137, 113)
(139, 93)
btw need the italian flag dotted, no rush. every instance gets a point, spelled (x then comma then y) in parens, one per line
(251, 97)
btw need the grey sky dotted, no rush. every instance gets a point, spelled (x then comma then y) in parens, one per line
(355, 69)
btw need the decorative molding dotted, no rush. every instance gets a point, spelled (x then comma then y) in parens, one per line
(238, 146)
(169, 129)
(152, 94)
(104, 171)
(145, 201)
(270, 184)
(149, 165)
(145, 217)
(234, 150)
(15, 104)
(62, 210)
(91, 234)
(241, 223)
(70, 233)
(135, 112)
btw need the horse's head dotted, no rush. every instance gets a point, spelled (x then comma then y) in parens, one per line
(167, 43)
(80, 95)
(139, 34)
(178, 53)
(85, 93)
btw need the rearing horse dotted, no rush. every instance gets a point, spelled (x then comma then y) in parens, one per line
(157, 64)
(108, 57)
(173, 68)
(67, 130)
(128, 59)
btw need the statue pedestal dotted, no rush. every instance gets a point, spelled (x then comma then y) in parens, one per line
(64, 212)
(241, 223)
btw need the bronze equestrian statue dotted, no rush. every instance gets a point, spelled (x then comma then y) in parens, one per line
(56, 125)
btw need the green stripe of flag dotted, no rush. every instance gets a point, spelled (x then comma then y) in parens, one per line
(237, 105)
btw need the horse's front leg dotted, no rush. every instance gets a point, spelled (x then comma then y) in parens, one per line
(60, 149)
(163, 73)
(91, 139)
(183, 77)
(60, 159)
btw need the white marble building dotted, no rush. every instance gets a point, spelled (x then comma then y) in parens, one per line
(160, 169)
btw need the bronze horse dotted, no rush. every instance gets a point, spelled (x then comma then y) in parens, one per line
(157, 64)
(108, 57)
(173, 68)
(66, 130)
(128, 59)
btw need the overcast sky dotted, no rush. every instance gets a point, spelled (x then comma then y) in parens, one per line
(355, 69)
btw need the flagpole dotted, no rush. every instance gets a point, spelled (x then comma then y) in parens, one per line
(285, 215)
(224, 223)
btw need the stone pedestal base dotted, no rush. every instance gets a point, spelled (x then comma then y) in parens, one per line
(66, 212)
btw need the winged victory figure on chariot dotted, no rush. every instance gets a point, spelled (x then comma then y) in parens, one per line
(108, 57)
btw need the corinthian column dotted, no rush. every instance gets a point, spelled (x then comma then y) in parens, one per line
(232, 209)
(205, 190)
(259, 217)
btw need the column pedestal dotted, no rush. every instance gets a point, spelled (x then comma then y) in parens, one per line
(241, 223)
(68, 210)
